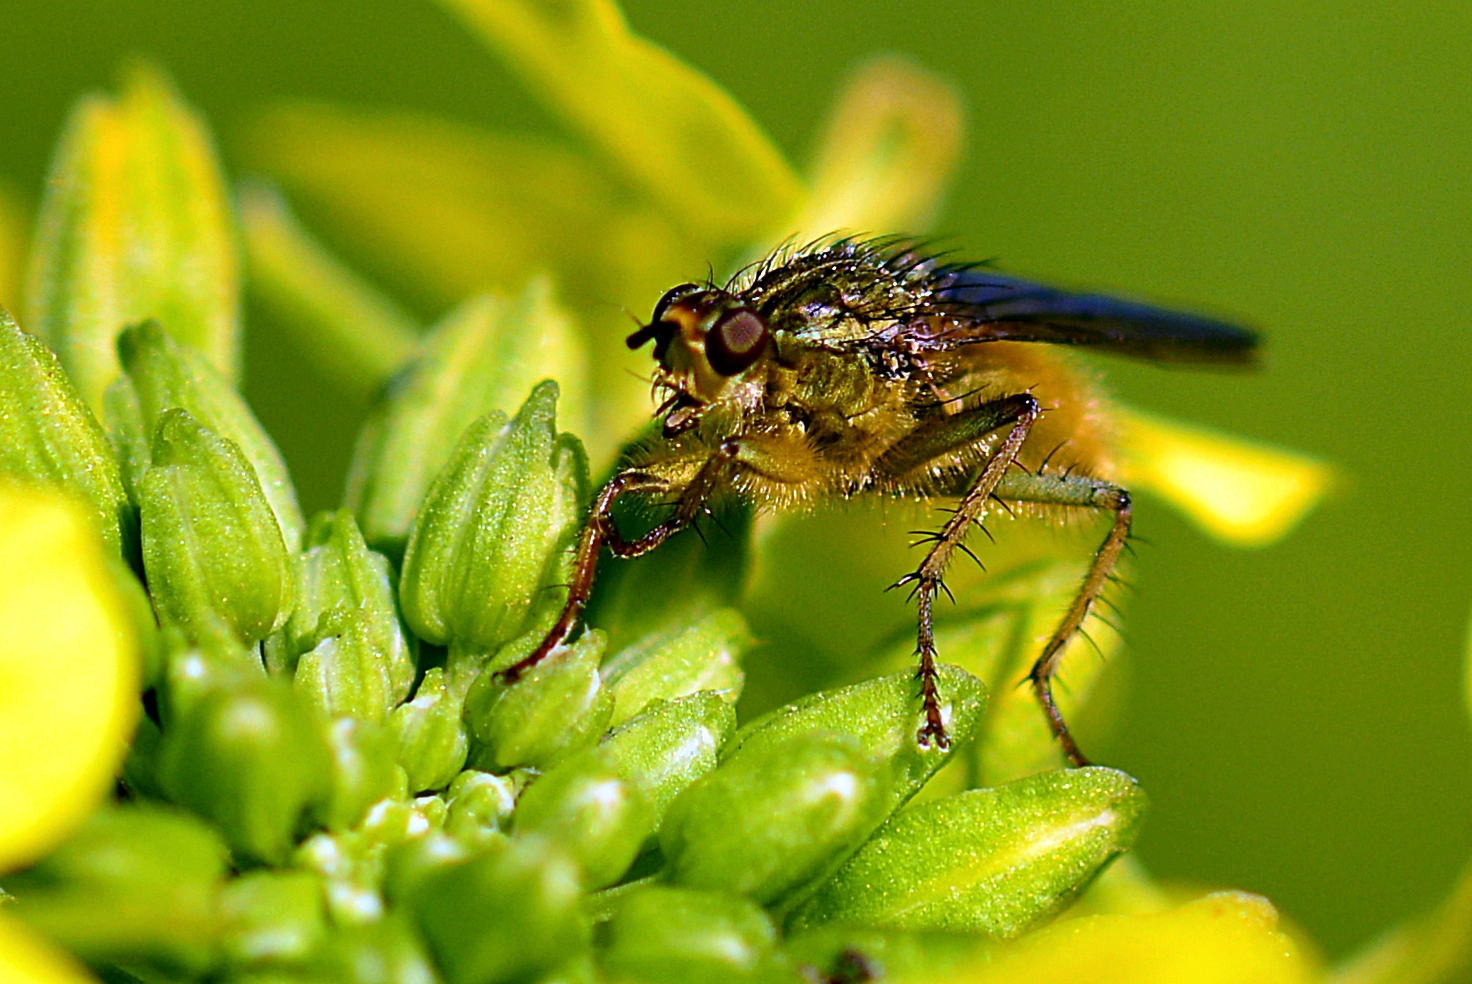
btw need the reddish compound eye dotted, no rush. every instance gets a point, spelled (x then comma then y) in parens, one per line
(736, 341)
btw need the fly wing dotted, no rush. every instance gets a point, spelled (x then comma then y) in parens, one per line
(996, 307)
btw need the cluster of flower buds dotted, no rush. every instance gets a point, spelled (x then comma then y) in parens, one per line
(333, 775)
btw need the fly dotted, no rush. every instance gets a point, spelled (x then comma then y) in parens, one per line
(853, 367)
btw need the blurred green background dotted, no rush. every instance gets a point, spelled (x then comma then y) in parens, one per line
(1296, 713)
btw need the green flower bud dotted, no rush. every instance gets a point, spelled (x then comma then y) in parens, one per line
(344, 643)
(509, 914)
(150, 640)
(387, 951)
(47, 434)
(496, 530)
(135, 224)
(251, 759)
(994, 861)
(164, 375)
(671, 744)
(193, 672)
(769, 821)
(134, 884)
(431, 733)
(555, 708)
(479, 802)
(883, 714)
(214, 555)
(482, 358)
(272, 917)
(585, 804)
(699, 653)
(364, 770)
(140, 769)
(677, 936)
(354, 864)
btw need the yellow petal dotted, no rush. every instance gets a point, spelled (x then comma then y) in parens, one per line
(453, 212)
(1242, 492)
(344, 324)
(25, 958)
(135, 224)
(676, 133)
(69, 672)
(1224, 938)
(889, 149)
(14, 235)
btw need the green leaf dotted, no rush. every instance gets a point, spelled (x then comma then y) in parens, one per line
(554, 709)
(993, 861)
(163, 375)
(662, 122)
(700, 653)
(507, 915)
(133, 884)
(670, 744)
(497, 530)
(48, 434)
(661, 935)
(344, 646)
(251, 759)
(135, 224)
(431, 733)
(211, 546)
(482, 358)
(348, 329)
(767, 822)
(588, 804)
(272, 917)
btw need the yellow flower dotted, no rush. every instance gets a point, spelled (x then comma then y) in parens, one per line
(1224, 938)
(69, 677)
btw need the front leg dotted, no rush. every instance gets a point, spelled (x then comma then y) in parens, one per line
(601, 532)
(942, 437)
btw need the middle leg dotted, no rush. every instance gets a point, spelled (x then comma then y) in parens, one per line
(945, 436)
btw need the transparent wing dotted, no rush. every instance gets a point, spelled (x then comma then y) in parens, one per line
(1004, 308)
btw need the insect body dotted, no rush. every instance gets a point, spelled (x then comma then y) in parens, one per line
(854, 367)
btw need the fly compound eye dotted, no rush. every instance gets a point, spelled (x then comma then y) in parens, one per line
(736, 341)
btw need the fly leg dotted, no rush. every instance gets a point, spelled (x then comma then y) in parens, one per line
(601, 532)
(1089, 494)
(934, 439)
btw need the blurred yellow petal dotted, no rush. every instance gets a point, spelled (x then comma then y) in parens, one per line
(1242, 492)
(453, 209)
(69, 672)
(25, 958)
(890, 146)
(676, 133)
(135, 224)
(15, 231)
(1224, 938)
(450, 212)
(1431, 948)
(350, 330)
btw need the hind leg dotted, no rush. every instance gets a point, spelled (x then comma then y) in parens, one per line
(1083, 493)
